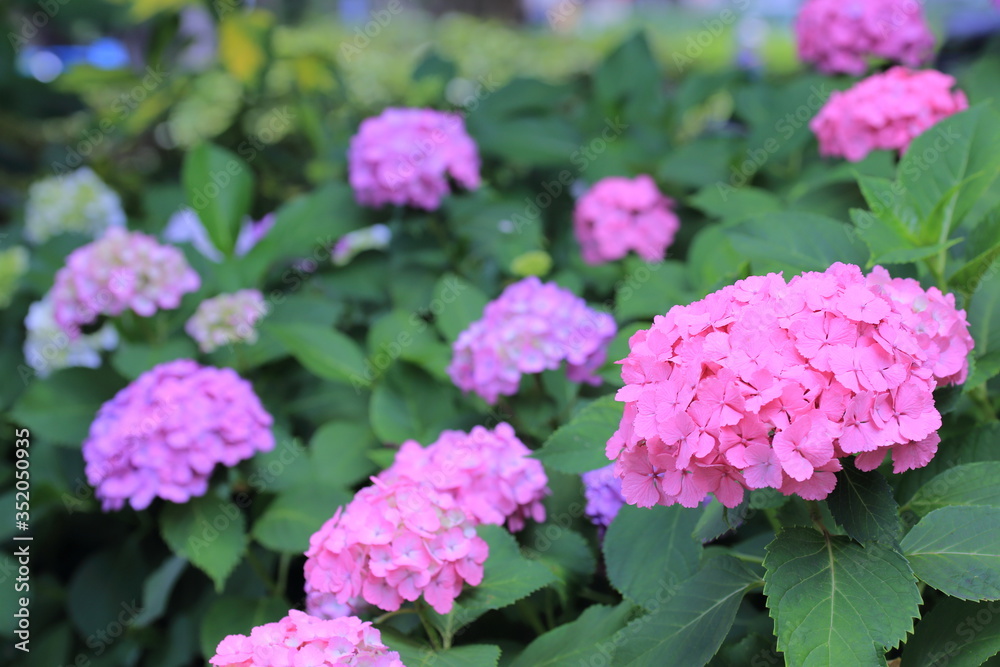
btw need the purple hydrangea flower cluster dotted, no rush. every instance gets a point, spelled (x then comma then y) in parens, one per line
(162, 435)
(603, 491)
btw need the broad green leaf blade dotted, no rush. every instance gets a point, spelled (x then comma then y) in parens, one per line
(956, 633)
(983, 313)
(457, 304)
(956, 149)
(578, 445)
(402, 409)
(507, 577)
(157, 588)
(324, 351)
(133, 359)
(836, 602)
(690, 625)
(568, 644)
(796, 242)
(650, 290)
(907, 255)
(218, 185)
(475, 655)
(733, 205)
(288, 522)
(984, 248)
(957, 551)
(716, 519)
(337, 451)
(975, 445)
(967, 484)
(647, 551)
(862, 503)
(95, 600)
(74, 394)
(209, 532)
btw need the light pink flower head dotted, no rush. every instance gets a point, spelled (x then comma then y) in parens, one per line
(768, 384)
(118, 272)
(397, 540)
(840, 36)
(885, 111)
(300, 640)
(227, 319)
(487, 472)
(621, 214)
(531, 327)
(164, 433)
(406, 156)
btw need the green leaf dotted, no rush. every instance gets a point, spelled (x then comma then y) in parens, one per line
(93, 599)
(578, 445)
(337, 451)
(475, 655)
(647, 551)
(716, 519)
(735, 204)
(690, 625)
(862, 503)
(157, 589)
(796, 242)
(233, 615)
(209, 532)
(288, 522)
(712, 261)
(629, 78)
(967, 484)
(983, 313)
(133, 359)
(404, 335)
(907, 255)
(401, 407)
(985, 242)
(971, 154)
(457, 304)
(836, 602)
(954, 633)
(568, 644)
(74, 394)
(324, 351)
(507, 577)
(957, 551)
(219, 187)
(651, 289)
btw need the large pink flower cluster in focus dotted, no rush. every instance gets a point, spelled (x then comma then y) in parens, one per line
(885, 111)
(164, 433)
(406, 156)
(300, 640)
(487, 472)
(768, 384)
(531, 327)
(839, 36)
(622, 214)
(395, 541)
(118, 272)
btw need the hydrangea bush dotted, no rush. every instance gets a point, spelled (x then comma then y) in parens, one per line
(650, 364)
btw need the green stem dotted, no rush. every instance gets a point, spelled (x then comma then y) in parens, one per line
(746, 557)
(283, 563)
(772, 518)
(432, 635)
(982, 401)
(550, 616)
(389, 614)
(530, 614)
(816, 516)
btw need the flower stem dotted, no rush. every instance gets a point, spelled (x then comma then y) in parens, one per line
(982, 401)
(432, 634)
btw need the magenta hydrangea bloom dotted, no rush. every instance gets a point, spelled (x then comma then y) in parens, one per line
(406, 156)
(603, 491)
(885, 111)
(164, 433)
(531, 327)
(300, 640)
(395, 541)
(768, 384)
(621, 214)
(488, 473)
(118, 272)
(227, 319)
(839, 36)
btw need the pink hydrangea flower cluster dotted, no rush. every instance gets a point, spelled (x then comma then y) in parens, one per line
(118, 272)
(300, 640)
(622, 214)
(164, 433)
(531, 327)
(768, 384)
(395, 541)
(487, 472)
(227, 319)
(406, 156)
(839, 36)
(885, 111)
